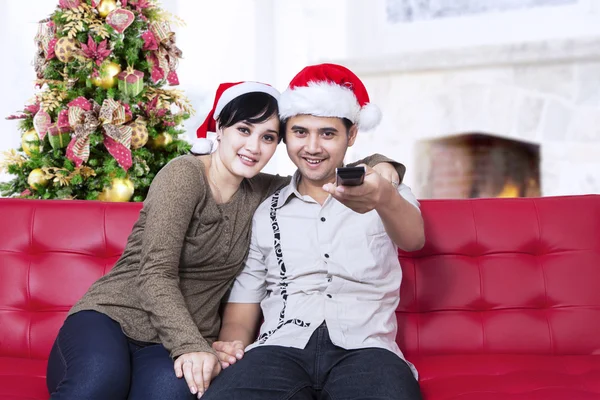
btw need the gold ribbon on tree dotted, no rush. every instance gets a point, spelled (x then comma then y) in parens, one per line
(117, 137)
(164, 60)
(45, 40)
(83, 119)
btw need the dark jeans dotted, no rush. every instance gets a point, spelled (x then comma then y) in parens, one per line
(92, 359)
(320, 371)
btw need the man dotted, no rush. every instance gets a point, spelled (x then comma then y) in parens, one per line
(323, 264)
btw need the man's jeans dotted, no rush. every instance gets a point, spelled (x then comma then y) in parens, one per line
(320, 371)
(93, 360)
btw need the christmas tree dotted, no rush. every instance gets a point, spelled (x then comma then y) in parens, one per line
(102, 123)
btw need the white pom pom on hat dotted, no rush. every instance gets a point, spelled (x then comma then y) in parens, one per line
(202, 146)
(329, 90)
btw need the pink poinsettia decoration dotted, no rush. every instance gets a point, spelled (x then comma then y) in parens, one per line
(65, 4)
(32, 108)
(138, 5)
(151, 110)
(96, 52)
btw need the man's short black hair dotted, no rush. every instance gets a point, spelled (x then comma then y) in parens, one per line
(283, 125)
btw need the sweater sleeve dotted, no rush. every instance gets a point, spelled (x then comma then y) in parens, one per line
(375, 159)
(169, 207)
(267, 184)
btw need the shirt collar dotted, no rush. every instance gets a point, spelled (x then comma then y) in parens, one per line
(289, 190)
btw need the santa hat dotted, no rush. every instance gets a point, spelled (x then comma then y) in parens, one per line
(226, 92)
(329, 90)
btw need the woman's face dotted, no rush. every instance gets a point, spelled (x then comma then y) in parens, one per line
(245, 148)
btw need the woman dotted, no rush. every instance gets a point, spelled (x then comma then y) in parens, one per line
(161, 300)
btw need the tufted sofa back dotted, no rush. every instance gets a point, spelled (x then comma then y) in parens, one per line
(496, 276)
(50, 253)
(517, 276)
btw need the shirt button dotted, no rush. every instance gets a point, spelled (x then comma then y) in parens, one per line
(330, 296)
(323, 219)
(326, 255)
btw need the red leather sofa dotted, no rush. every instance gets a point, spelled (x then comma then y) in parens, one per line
(503, 303)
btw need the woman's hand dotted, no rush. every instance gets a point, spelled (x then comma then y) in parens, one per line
(229, 352)
(198, 369)
(388, 172)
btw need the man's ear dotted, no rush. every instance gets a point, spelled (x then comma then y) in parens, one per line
(352, 132)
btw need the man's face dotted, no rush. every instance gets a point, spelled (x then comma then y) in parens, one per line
(317, 145)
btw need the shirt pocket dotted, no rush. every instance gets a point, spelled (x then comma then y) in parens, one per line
(365, 243)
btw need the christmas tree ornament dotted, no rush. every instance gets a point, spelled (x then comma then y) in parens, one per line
(117, 137)
(30, 141)
(120, 190)
(161, 141)
(46, 39)
(63, 121)
(105, 7)
(96, 52)
(57, 138)
(131, 82)
(41, 123)
(66, 4)
(140, 5)
(37, 178)
(107, 78)
(120, 19)
(139, 134)
(66, 48)
(83, 117)
(163, 61)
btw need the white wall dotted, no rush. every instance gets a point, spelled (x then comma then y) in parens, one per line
(370, 34)
(18, 25)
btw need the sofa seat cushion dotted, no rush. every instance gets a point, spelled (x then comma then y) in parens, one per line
(22, 379)
(509, 377)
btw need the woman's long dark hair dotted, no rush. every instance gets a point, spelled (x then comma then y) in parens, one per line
(255, 107)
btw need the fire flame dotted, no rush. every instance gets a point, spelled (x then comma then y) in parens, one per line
(509, 190)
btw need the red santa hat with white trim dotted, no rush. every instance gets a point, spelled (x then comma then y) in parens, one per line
(329, 90)
(226, 92)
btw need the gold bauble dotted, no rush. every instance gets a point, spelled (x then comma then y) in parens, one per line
(37, 177)
(161, 141)
(139, 134)
(105, 7)
(66, 48)
(107, 77)
(30, 140)
(119, 190)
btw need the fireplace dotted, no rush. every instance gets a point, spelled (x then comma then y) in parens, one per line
(478, 165)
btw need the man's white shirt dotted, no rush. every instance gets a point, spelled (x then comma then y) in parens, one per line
(310, 264)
